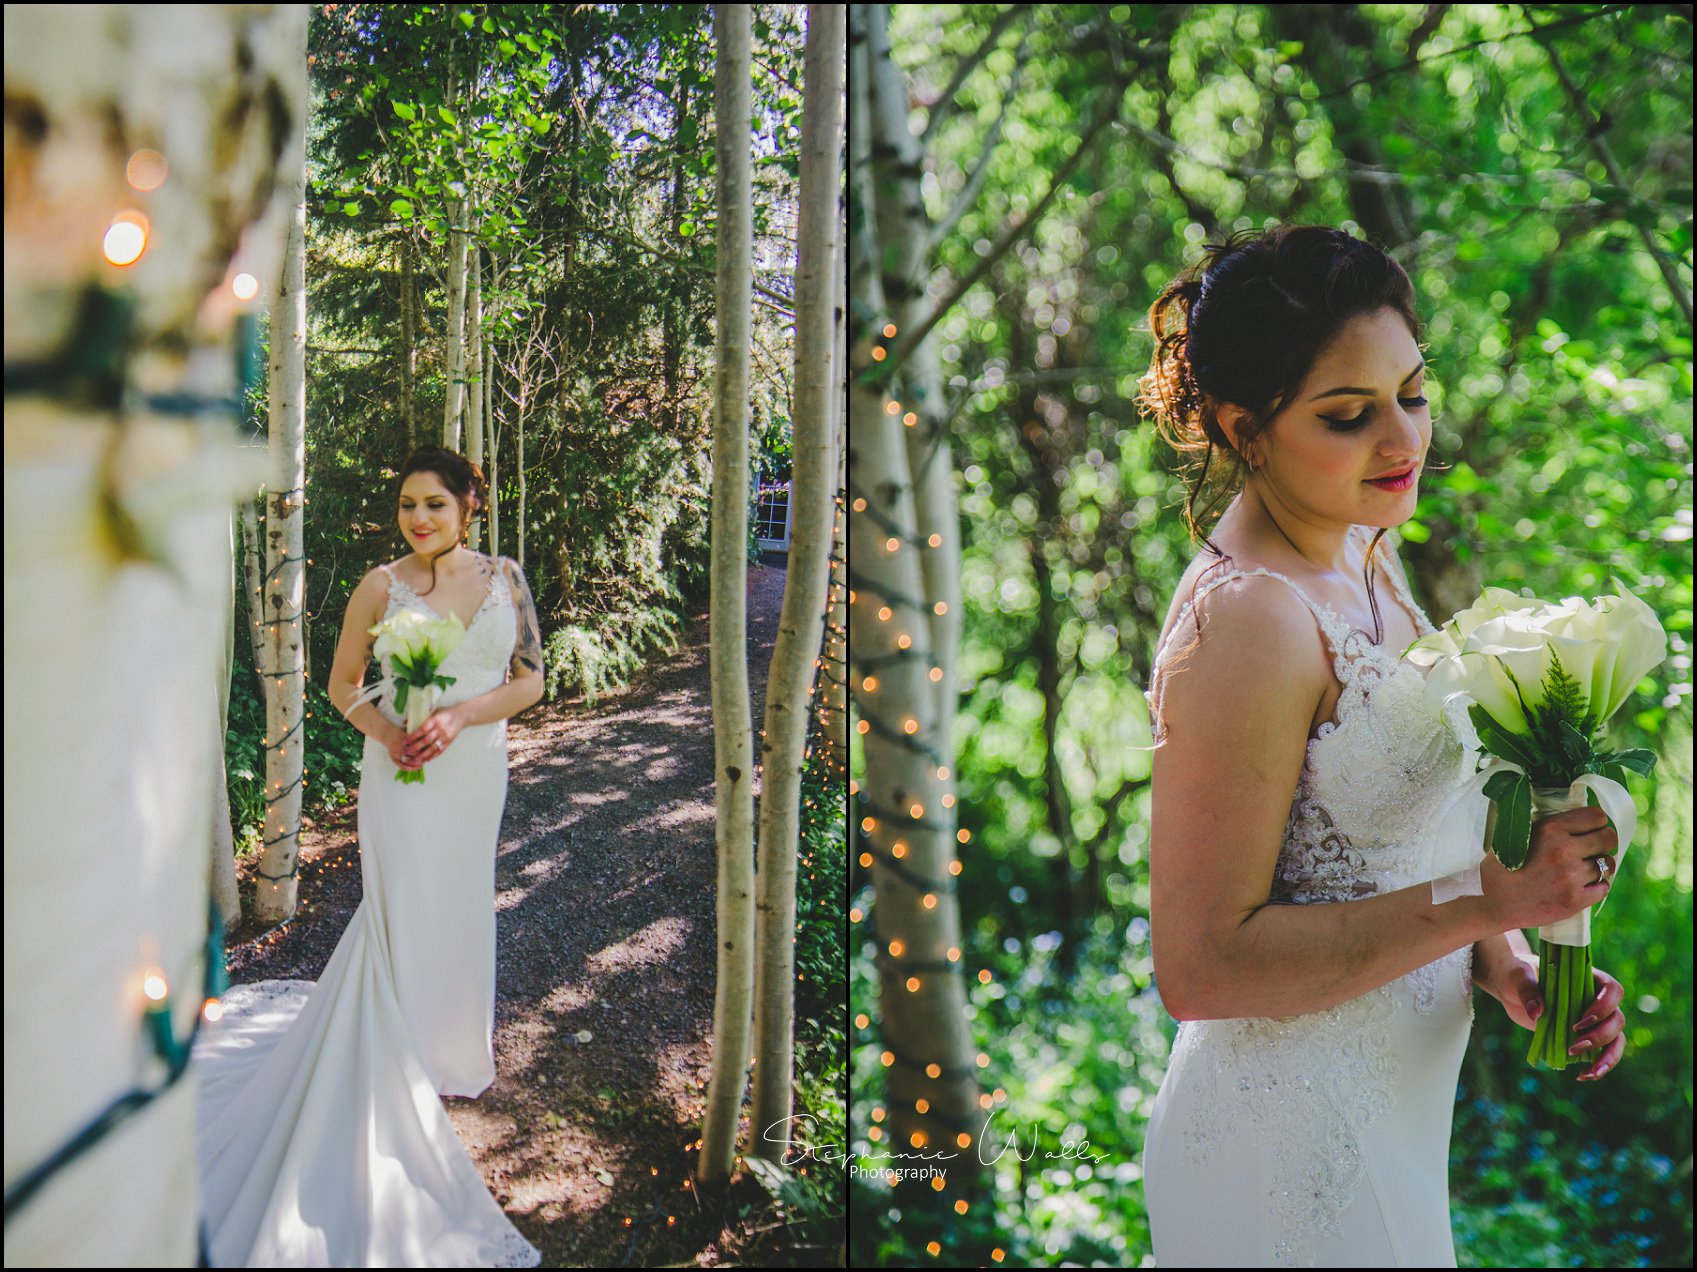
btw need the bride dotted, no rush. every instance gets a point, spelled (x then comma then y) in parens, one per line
(322, 1141)
(1322, 985)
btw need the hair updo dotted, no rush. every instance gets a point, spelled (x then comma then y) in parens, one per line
(1244, 325)
(464, 480)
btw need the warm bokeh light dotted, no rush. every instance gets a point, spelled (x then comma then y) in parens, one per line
(146, 170)
(153, 985)
(245, 286)
(124, 242)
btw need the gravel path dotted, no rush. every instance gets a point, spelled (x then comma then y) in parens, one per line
(605, 878)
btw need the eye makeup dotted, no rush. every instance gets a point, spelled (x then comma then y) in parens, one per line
(1346, 426)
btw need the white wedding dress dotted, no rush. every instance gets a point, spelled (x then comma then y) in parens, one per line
(322, 1140)
(1322, 1140)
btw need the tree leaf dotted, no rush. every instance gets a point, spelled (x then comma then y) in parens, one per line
(352, 209)
(402, 209)
(404, 111)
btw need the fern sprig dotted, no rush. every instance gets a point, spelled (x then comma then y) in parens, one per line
(1564, 700)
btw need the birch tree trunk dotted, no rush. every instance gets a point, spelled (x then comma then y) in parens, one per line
(409, 339)
(222, 874)
(733, 743)
(494, 473)
(801, 623)
(454, 355)
(253, 583)
(283, 640)
(906, 607)
(116, 531)
(474, 398)
(518, 437)
(834, 655)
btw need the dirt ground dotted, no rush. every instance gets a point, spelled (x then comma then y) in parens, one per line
(605, 878)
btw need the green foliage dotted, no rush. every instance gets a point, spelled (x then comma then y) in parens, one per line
(596, 659)
(1565, 700)
(332, 763)
(1511, 839)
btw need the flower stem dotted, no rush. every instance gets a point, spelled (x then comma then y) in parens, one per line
(1564, 982)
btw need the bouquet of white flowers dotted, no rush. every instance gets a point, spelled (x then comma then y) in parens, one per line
(415, 647)
(1539, 681)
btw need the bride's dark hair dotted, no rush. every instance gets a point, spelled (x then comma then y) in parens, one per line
(464, 480)
(1244, 325)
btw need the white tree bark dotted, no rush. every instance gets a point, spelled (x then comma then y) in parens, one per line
(733, 743)
(455, 353)
(834, 655)
(253, 584)
(801, 623)
(222, 876)
(493, 472)
(409, 339)
(116, 563)
(474, 400)
(283, 636)
(518, 437)
(906, 608)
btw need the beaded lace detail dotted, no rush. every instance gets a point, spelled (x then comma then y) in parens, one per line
(1372, 783)
(480, 661)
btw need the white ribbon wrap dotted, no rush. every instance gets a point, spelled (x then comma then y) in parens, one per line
(1459, 838)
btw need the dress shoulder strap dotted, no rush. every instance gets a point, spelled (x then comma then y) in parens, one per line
(1333, 630)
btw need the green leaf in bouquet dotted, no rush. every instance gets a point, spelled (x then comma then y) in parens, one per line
(1564, 699)
(1512, 794)
(1638, 760)
(1498, 740)
(1572, 747)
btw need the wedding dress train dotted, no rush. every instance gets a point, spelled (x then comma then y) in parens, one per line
(321, 1138)
(1322, 1140)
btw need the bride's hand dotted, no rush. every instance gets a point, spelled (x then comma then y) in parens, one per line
(433, 736)
(1603, 1026)
(396, 745)
(1515, 986)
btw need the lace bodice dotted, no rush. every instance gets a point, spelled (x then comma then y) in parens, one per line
(1375, 777)
(1368, 796)
(481, 660)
